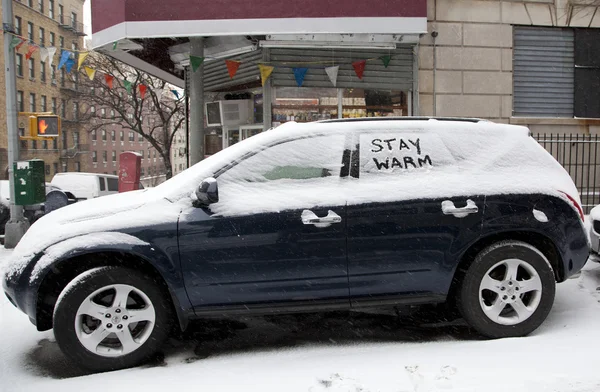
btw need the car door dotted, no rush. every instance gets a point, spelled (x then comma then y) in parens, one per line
(403, 244)
(277, 236)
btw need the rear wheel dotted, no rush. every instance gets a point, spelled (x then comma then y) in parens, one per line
(111, 318)
(508, 290)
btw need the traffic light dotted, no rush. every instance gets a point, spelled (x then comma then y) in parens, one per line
(44, 126)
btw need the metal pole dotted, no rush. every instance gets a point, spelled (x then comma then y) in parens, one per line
(17, 225)
(196, 104)
(267, 95)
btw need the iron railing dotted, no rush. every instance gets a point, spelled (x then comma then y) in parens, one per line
(579, 156)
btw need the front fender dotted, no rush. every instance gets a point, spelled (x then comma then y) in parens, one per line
(165, 260)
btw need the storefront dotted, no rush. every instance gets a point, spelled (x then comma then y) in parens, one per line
(293, 62)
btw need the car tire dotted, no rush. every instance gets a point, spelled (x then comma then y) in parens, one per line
(507, 291)
(111, 318)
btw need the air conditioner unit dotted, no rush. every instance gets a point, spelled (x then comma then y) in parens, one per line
(229, 113)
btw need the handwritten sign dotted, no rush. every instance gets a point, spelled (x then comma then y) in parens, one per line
(392, 152)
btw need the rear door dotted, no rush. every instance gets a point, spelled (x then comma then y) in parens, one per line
(404, 242)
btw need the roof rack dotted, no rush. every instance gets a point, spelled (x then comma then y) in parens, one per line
(404, 118)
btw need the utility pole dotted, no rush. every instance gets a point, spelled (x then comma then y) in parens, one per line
(17, 225)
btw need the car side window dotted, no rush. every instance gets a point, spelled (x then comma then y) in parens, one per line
(299, 159)
(113, 184)
(102, 184)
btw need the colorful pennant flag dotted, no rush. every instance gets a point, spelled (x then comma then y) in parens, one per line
(142, 89)
(359, 67)
(51, 53)
(30, 51)
(386, 60)
(299, 74)
(115, 45)
(91, 72)
(69, 64)
(127, 85)
(81, 59)
(196, 62)
(232, 67)
(16, 41)
(176, 93)
(43, 54)
(63, 58)
(332, 72)
(109, 80)
(265, 72)
(20, 44)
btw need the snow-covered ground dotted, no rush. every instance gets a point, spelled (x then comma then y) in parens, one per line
(333, 353)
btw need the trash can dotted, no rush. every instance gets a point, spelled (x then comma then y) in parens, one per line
(30, 182)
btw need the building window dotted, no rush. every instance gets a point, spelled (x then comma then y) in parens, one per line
(55, 167)
(51, 8)
(30, 31)
(53, 74)
(142, 172)
(76, 138)
(114, 156)
(19, 63)
(77, 166)
(41, 6)
(74, 46)
(103, 112)
(32, 102)
(112, 114)
(42, 71)
(75, 110)
(61, 41)
(61, 14)
(94, 156)
(64, 139)
(44, 103)
(63, 108)
(45, 144)
(94, 135)
(31, 64)
(131, 136)
(113, 135)
(104, 135)
(47, 170)
(52, 39)
(20, 103)
(18, 25)
(42, 36)
(121, 135)
(54, 143)
(142, 153)
(74, 20)
(92, 109)
(104, 156)
(30, 3)
(54, 106)
(62, 77)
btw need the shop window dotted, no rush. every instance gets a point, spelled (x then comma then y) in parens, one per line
(304, 104)
(358, 102)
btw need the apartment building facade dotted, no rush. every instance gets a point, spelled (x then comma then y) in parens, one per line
(43, 88)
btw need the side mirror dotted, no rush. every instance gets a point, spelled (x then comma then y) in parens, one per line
(207, 192)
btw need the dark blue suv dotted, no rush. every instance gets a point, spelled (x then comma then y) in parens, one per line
(346, 215)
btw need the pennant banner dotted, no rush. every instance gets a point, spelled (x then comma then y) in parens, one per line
(30, 51)
(109, 80)
(142, 89)
(81, 59)
(51, 53)
(196, 62)
(91, 72)
(232, 67)
(332, 72)
(115, 45)
(43, 53)
(127, 85)
(20, 44)
(359, 68)
(176, 93)
(63, 58)
(386, 60)
(69, 64)
(299, 74)
(265, 72)
(16, 41)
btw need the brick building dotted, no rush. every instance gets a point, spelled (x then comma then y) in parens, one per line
(40, 87)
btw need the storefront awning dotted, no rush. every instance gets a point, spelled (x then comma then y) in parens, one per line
(114, 20)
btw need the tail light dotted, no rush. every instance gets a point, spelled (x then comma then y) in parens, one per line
(579, 209)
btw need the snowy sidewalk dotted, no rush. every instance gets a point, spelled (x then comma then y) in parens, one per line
(365, 353)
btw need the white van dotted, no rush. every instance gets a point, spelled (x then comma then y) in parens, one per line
(87, 185)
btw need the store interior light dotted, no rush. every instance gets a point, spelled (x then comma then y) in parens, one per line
(327, 45)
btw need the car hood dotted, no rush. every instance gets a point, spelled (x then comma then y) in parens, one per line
(106, 214)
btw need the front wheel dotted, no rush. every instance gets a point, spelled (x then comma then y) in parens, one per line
(508, 290)
(111, 318)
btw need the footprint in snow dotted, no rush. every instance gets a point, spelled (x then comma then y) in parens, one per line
(338, 383)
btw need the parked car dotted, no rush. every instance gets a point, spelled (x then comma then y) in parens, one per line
(87, 185)
(594, 234)
(345, 215)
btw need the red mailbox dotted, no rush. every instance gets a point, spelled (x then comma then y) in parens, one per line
(130, 164)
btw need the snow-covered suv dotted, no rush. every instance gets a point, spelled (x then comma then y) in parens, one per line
(352, 215)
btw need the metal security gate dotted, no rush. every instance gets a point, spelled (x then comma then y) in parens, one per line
(579, 155)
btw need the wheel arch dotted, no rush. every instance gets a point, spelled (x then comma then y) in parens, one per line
(543, 243)
(63, 271)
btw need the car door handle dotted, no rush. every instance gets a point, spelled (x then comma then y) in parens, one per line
(310, 218)
(448, 208)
